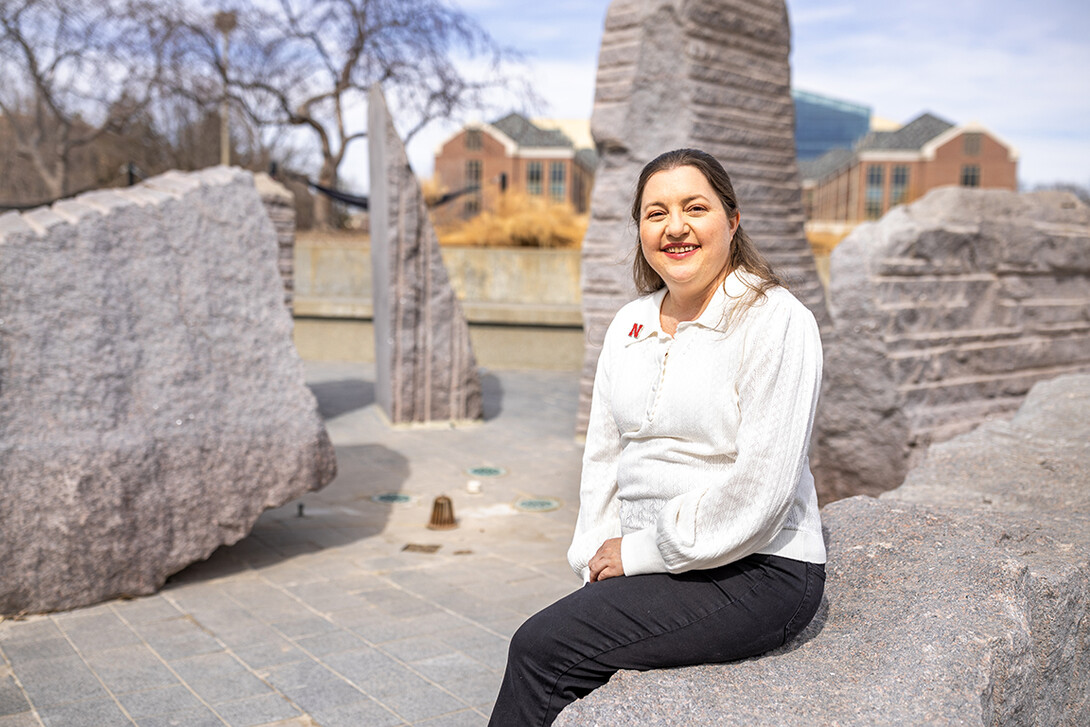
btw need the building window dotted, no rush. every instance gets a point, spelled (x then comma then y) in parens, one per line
(898, 185)
(473, 139)
(875, 186)
(972, 144)
(557, 181)
(533, 178)
(473, 173)
(970, 175)
(473, 179)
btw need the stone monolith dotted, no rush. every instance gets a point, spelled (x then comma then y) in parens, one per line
(945, 313)
(280, 206)
(961, 598)
(425, 370)
(152, 404)
(712, 75)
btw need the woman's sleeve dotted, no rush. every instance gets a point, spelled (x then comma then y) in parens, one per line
(599, 512)
(742, 512)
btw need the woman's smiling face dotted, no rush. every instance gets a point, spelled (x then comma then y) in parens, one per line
(685, 233)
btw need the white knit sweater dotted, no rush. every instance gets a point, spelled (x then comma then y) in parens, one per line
(697, 443)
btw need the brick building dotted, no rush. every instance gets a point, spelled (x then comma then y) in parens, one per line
(538, 159)
(887, 168)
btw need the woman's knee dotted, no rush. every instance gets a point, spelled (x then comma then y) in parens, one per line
(811, 600)
(535, 640)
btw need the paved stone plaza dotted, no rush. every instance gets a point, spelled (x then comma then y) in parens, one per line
(353, 613)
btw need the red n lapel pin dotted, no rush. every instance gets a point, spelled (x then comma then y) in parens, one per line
(635, 332)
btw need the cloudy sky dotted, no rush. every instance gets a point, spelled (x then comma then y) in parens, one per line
(1021, 69)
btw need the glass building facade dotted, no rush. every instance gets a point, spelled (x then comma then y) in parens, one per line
(823, 123)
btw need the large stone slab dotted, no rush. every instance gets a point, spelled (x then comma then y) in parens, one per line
(425, 370)
(712, 75)
(151, 400)
(962, 598)
(945, 313)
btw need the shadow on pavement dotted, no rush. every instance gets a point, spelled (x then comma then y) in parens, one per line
(491, 396)
(338, 515)
(340, 397)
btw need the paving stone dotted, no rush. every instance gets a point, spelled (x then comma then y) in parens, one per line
(145, 610)
(202, 717)
(421, 700)
(302, 626)
(365, 665)
(58, 681)
(356, 714)
(94, 713)
(329, 643)
(131, 669)
(256, 710)
(416, 648)
(450, 666)
(466, 718)
(98, 632)
(178, 638)
(164, 700)
(12, 700)
(228, 687)
(22, 652)
(275, 652)
(478, 689)
(22, 719)
(33, 628)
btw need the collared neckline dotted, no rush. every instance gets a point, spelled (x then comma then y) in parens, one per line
(645, 320)
(727, 294)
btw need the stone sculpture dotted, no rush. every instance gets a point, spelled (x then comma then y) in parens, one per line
(944, 313)
(152, 404)
(425, 370)
(280, 206)
(712, 75)
(962, 597)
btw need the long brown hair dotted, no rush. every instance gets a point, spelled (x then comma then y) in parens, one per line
(743, 253)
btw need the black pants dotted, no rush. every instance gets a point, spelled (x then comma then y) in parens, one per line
(652, 621)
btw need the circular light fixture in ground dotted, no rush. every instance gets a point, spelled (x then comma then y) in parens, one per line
(391, 498)
(486, 471)
(537, 504)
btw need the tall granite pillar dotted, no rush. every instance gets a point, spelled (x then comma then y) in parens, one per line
(425, 370)
(712, 75)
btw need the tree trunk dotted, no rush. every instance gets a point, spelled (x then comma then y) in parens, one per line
(323, 205)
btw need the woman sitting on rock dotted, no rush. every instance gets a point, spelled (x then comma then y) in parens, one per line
(698, 538)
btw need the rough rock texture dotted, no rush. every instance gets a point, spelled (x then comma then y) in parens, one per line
(425, 370)
(712, 75)
(151, 400)
(962, 598)
(945, 313)
(280, 206)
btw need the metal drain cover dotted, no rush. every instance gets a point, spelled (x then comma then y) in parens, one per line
(391, 498)
(537, 504)
(486, 471)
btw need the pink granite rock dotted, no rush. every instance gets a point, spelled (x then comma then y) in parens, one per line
(945, 312)
(152, 404)
(425, 370)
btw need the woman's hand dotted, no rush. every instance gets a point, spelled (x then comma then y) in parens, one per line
(606, 563)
